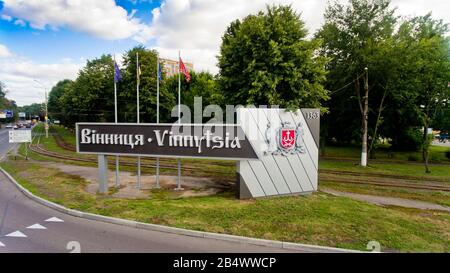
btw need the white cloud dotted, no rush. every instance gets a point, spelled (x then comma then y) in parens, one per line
(19, 74)
(4, 51)
(6, 17)
(134, 2)
(196, 26)
(439, 8)
(102, 19)
(20, 22)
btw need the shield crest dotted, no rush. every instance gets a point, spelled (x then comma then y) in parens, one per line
(287, 138)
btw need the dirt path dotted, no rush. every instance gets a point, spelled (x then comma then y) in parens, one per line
(388, 201)
(193, 186)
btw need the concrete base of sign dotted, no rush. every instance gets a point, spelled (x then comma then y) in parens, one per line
(102, 174)
(242, 191)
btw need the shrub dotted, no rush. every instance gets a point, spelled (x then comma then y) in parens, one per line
(435, 157)
(408, 140)
(413, 157)
(447, 154)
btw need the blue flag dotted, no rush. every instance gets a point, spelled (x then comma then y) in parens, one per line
(159, 72)
(117, 76)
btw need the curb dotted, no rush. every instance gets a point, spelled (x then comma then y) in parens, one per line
(174, 230)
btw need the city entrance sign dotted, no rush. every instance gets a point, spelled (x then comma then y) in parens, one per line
(277, 151)
(218, 141)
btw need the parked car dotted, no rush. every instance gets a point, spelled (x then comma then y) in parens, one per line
(8, 126)
(28, 125)
(15, 127)
(443, 138)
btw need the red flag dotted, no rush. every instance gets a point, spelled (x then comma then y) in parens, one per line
(184, 71)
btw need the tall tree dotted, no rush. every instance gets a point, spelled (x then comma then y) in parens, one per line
(357, 36)
(55, 103)
(202, 84)
(266, 59)
(7, 104)
(428, 72)
(148, 66)
(92, 97)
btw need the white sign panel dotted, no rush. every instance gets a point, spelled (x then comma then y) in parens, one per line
(19, 136)
(287, 144)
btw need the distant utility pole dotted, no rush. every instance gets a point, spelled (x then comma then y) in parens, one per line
(46, 115)
(365, 115)
(46, 107)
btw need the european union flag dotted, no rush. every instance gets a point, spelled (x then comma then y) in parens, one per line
(159, 72)
(117, 75)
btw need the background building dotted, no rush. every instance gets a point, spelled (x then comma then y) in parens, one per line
(170, 67)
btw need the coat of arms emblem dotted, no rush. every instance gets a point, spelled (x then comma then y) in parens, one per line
(285, 140)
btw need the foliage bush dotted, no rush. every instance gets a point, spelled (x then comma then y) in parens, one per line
(409, 140)
(413, 157)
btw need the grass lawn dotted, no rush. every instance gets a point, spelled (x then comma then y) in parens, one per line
(438, 197)
(437, 153)
(317, 219)
(438, 172)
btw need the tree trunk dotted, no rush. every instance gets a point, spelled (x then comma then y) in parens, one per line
(425, 146)
(365, 116)
(322, 147)
(377, 124)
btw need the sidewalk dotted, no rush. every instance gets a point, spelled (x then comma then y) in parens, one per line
(388, 201)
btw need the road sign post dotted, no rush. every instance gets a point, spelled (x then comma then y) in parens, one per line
(102, 174)
(21, 136)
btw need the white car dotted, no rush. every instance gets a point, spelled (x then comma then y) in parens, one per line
(8, 126)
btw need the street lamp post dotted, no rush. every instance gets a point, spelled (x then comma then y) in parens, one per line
(46, 106)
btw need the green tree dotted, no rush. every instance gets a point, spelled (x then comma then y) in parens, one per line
(428, 73)
(202, 84)
(2, 89)
(92, 95)
(34, 109)
(56, 105)
(7, 104)
(265, 59)
(356, 36)
(442, 119)
(147, 91)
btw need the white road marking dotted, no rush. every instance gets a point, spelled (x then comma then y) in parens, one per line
(54, 219)
(2, 244)
(8, 151)
(16, 234)
(36, 226)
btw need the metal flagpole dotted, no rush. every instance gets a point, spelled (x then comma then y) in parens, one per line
(115, 117)
(138, 117)
(158, 75)
(179, 118)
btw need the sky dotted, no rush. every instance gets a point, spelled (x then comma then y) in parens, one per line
(44, 41)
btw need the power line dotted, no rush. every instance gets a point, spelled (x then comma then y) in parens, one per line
(345, 86)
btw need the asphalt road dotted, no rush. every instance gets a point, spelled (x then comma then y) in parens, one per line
(437, 143)
(26, 226)
(4, 145)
